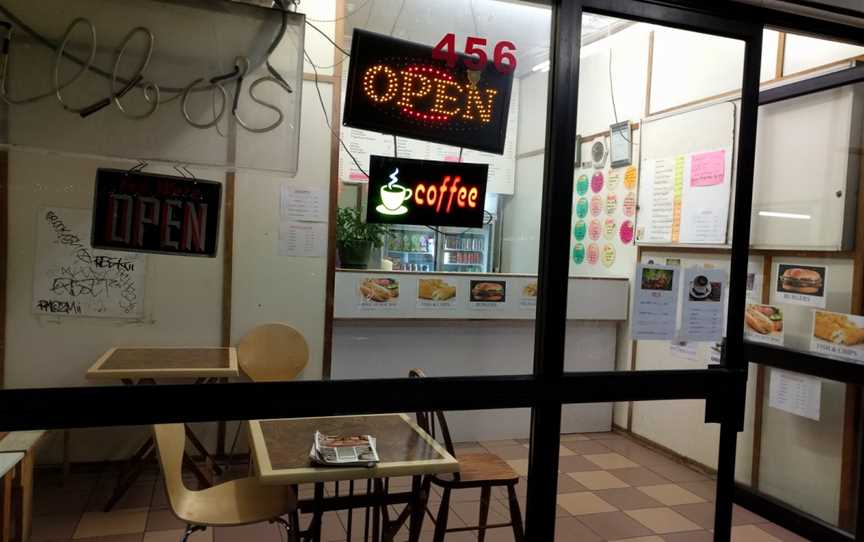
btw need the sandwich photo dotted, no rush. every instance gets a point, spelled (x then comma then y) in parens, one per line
(764, 319)
(801, 280)
(379, 290)
(657, 279)
(837, 328)
(435, 290)
(488, 291)
(530, 290)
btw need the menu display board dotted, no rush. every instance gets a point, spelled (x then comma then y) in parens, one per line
(603, 224)
(685, 198)
(837, 334)
(398, 87)
(362, 144)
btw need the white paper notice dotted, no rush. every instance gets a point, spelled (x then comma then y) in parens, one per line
(702, 317)
(655, 304)
(662, 202)
(684, 351)
(303, 239)
(303, 203)
(795, 393)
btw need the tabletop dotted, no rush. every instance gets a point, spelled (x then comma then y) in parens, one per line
(165, 362)
(281, 449)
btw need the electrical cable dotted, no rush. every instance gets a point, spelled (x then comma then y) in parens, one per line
(328, 38)
(612, 95)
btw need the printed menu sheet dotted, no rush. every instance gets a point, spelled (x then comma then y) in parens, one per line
(303, 239)
(837, 334)
(702, 315)
(685, 198)
(795, 393)
(655, 304)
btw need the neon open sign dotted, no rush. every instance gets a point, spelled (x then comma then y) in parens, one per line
(143, 212)
(425, 192)
(402, 88)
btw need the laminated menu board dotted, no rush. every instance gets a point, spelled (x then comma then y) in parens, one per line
(603, 224)
(685, 177)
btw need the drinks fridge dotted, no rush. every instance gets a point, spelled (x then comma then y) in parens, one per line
(411, 248)
(452, 250)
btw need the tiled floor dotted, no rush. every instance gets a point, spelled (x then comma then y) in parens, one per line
(610, 489)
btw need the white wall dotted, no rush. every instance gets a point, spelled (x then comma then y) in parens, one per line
(804, 53)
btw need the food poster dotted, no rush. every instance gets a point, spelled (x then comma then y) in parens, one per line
(378, 293)
(436, 293)
(704, 302)
(603, 224)
(487, 294)
(754, 281)
(801, 284)
(763, 324)
(528, 294)
(837, 334)
(655, 303)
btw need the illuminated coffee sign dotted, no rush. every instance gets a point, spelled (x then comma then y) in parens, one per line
(402, 88)
(143, 212)
(426, 193)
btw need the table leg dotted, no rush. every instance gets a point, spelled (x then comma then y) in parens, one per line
(318, 515)
(220, 431)
(420, 489)
(203, 451)
(133, 469)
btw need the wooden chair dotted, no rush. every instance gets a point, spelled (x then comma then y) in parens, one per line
(236, 502)
(272, 353)
(475, 470)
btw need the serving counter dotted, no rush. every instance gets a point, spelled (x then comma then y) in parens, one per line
(465, 324)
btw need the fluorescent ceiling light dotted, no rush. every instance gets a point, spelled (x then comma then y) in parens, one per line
(774, 214)
(543, 66)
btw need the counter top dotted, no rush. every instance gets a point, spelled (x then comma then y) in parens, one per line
(411, 295)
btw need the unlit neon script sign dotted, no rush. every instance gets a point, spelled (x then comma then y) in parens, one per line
(143, 212)
(403, 88)
(425, 192)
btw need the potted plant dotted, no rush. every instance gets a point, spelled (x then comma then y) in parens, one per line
(355, 238)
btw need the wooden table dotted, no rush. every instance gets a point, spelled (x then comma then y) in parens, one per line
(280, 449)
(144, 365)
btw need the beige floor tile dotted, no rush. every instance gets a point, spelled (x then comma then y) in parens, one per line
(781, 533)
(663, 520)
(175, 535)
(54, 527)
(498, 443)
(614, 525)
(651, 538)
(587, 447)
(678, 473)
(751, 533)
(610, 461)
(564, 451)
(92, 524)
(572, 437)
(569, 529)
(599, 479)
(135, 537)
(671, 494)
(508, 452)
(582, 503)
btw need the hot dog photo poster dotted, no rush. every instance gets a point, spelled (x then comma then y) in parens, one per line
(763, 324)
(801, 284)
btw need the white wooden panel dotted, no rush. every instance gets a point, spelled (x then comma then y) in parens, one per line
(804, 53)
(533, 92)
(520, 237)
(689, 66)
(803, 160)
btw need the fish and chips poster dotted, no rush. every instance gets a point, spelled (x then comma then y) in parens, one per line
(837, 334)
(438, 292)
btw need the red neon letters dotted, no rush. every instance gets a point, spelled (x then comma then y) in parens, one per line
(435, 196)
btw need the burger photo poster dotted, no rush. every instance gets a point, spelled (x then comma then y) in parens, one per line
(801, 284)
(487, 294)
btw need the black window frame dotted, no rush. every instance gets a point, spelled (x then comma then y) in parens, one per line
(549, 387)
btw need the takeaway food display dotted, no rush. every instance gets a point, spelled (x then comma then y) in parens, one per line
(493, 291)
(530, 290)
(435, 290)
(380, 290)
(837, 328)
(764, 319)
(801, 280)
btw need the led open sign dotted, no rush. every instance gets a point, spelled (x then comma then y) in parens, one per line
(425, 192)
(398, 87)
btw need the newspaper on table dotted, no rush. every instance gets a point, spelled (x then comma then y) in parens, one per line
(344, 451)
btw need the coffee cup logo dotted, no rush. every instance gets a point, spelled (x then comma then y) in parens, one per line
(393, 195)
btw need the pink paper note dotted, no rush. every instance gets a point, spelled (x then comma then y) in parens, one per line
(707, 168)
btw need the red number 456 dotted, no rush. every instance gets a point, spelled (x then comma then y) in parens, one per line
(474, 48)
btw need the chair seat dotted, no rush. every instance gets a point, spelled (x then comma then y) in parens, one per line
(475, 469)
(236, 502)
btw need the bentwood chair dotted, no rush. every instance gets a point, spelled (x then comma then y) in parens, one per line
(272, 353)
(236, 502)
(484, 471)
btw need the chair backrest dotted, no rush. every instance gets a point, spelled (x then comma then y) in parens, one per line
(170, 445)
(427, 420)
(272, 352)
